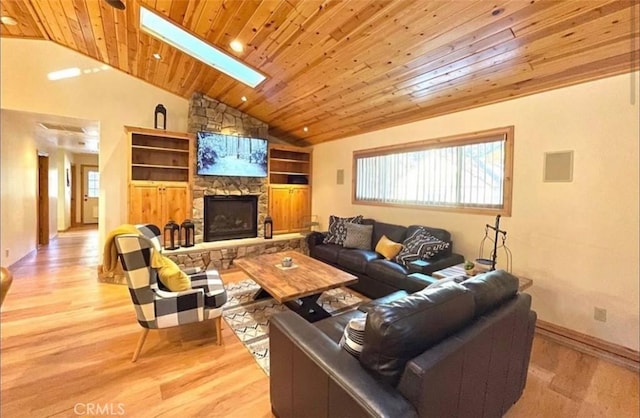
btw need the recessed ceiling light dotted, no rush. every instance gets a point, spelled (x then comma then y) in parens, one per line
(157, 56)
(8, 20)
(305, 129)
(66, 73)
(243, 98)
(177, 37)
(237, 46)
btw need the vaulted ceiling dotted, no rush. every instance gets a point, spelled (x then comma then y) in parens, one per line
(342, 68)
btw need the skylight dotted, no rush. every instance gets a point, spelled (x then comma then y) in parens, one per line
(179, 38)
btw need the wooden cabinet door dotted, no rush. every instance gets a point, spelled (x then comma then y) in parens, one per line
(175, 203)
(300, 208)
(145, 204)
(279, 208)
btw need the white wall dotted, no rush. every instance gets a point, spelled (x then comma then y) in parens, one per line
(111, 97)
(63, 163)
(18, 211)
(578, 241)
(53, 193)
(18, 187)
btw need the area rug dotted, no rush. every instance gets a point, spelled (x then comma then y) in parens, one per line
(249, 319)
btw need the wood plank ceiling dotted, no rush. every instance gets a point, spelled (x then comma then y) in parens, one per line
(342, 68)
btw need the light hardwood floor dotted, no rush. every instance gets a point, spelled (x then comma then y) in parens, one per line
(67, 342)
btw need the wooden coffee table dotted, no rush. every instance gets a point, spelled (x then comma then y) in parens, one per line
(298, 286)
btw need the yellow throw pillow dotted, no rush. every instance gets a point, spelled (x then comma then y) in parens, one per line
(388, 248)
(170, 274)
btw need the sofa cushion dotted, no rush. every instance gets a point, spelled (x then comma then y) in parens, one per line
(366, 307)
(358, 236)
(491, 289)
(338, 229)
(420, 245)
(327, 252)
(356, 260)
(353, 336)
(388, 248)
(386, 271)
(395, 233)
(333, 327)
(398, 331)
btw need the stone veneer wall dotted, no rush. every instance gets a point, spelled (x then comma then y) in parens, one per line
(207, 114)
(222, 258)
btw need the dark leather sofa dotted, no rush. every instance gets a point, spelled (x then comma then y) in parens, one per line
(379, 277)
(458, 350)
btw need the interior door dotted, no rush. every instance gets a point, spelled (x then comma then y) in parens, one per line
(90, 193)
(43, 200)
(74, 194)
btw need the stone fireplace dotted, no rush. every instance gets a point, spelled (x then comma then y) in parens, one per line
(207, 114)
(230, 217)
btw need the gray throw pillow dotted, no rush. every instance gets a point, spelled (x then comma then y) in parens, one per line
(358, 236)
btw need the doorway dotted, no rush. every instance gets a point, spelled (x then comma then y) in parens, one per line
(90, 193)
(74, 193)
(43, 200)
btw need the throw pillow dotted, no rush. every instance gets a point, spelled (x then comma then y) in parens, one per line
(353, 336)
(420, 245)
(358, 236)
(387, 248)
(338, 229)
(169, 273)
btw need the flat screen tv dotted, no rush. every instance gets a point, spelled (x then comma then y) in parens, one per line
(231, 155)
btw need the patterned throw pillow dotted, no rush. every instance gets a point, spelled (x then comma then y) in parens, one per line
(420, 245)
(338, 229)
(353, 336)
(358, 236)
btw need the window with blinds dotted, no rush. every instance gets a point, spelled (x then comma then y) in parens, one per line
(470, 173)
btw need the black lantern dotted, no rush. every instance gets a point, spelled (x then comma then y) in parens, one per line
(268, 227)
(171, 236)
(160, 111)
(187, 233)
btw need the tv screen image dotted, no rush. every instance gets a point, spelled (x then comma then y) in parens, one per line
(231, 155)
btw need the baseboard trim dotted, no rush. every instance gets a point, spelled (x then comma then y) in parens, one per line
(614, 353)
(18, 261)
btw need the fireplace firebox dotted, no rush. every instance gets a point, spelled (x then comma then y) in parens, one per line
(230, 217)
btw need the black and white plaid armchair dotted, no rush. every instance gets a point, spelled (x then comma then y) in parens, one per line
(156, 306)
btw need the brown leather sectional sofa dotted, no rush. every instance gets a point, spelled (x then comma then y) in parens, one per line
(458, 350)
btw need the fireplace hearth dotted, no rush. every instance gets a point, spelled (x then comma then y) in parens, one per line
(230, 217)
